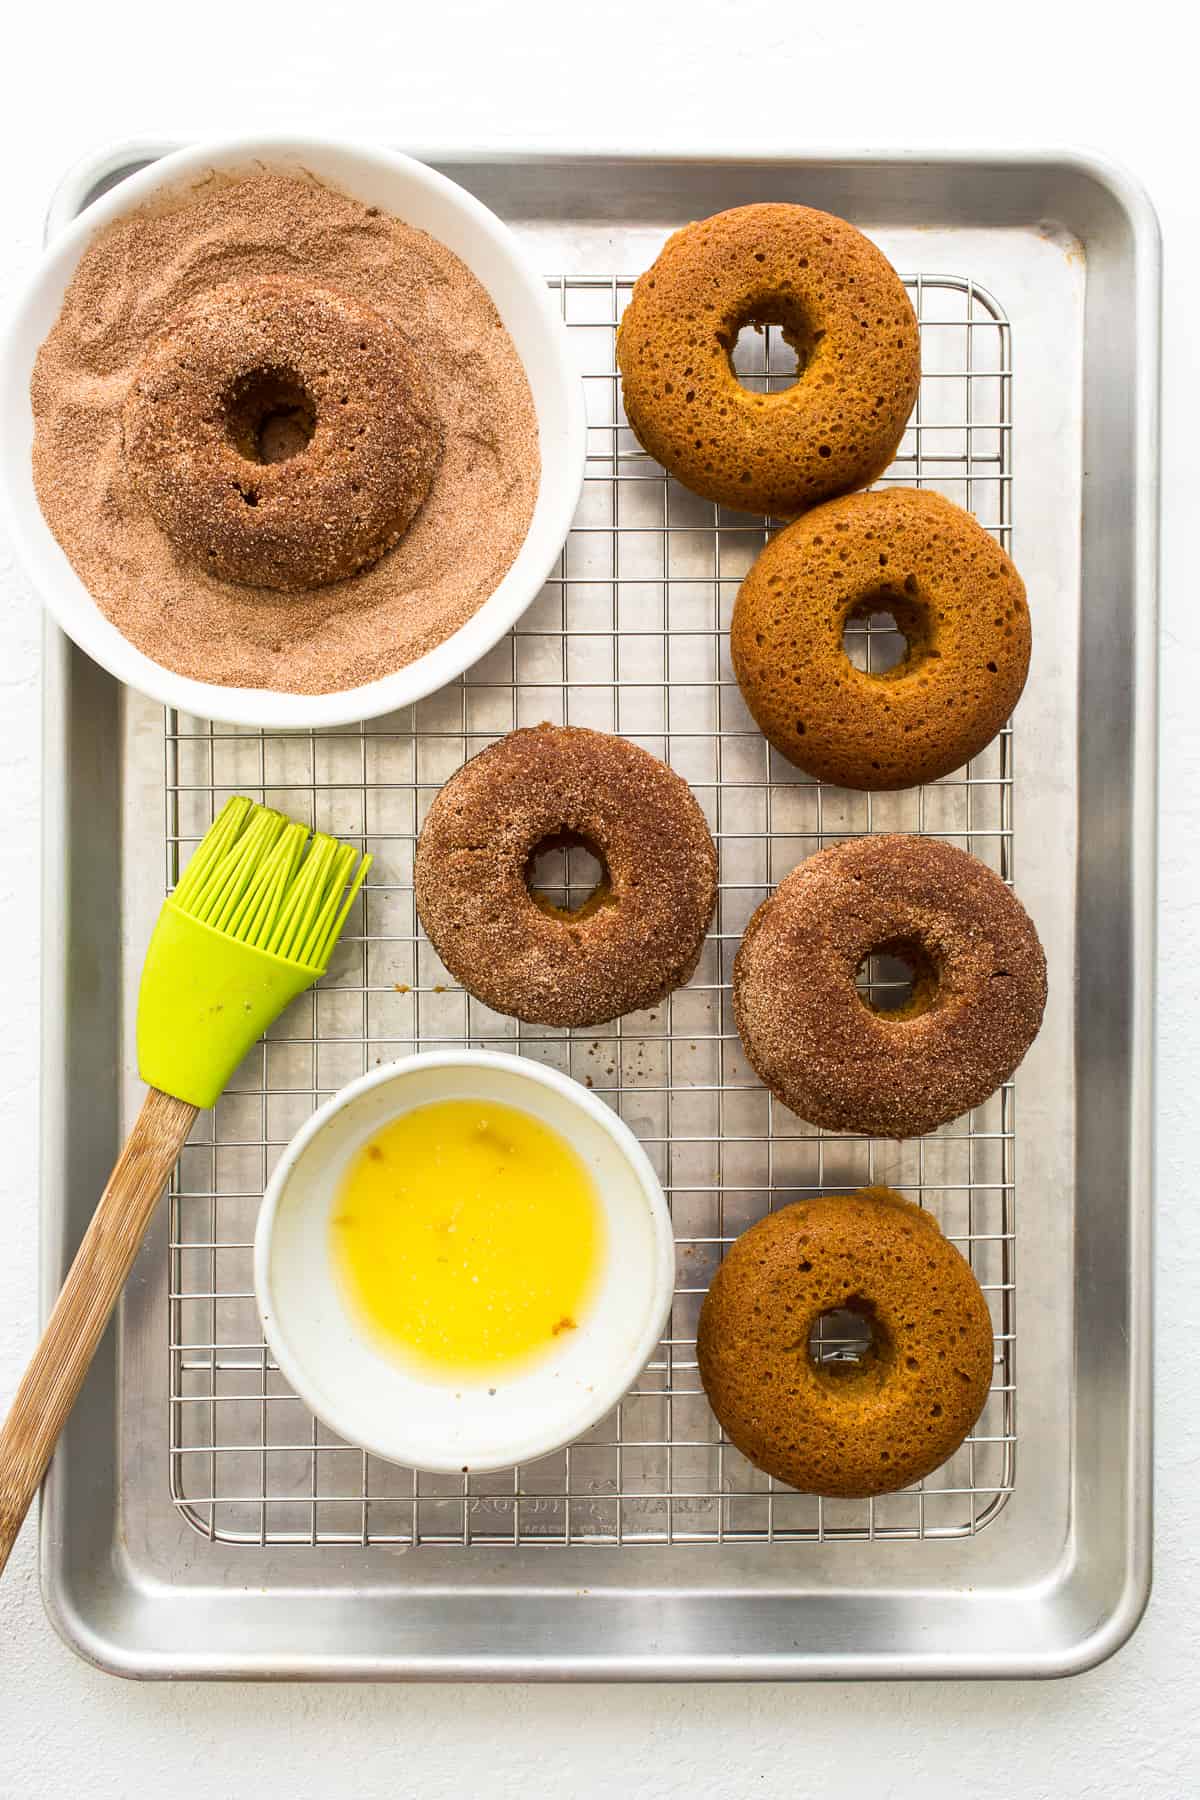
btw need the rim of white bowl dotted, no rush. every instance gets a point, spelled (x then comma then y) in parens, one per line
(607, 1389)
(47, 567)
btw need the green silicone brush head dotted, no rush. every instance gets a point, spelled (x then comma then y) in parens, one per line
(252, 923)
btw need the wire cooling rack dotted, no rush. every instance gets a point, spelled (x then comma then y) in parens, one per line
(629, 635)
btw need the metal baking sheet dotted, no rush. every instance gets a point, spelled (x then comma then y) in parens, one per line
(197, 1520)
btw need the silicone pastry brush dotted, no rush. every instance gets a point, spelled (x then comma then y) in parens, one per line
(252, 923)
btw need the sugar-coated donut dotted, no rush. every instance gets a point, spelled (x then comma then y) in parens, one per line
(954, 595)
(852, 1428)
(977, 1000)
(633, 940)
(843, 310)
(280, 433)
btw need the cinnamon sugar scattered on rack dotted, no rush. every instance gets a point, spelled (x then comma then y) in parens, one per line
(131, 278)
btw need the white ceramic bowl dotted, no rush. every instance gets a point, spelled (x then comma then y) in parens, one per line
(492, 1422)
(421, 197)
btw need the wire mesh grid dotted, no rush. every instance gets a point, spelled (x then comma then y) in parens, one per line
(629, 635)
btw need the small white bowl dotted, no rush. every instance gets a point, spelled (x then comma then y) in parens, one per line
(421, 197)
(481, 1423)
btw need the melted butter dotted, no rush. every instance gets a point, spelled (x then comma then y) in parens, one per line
(468, 1237)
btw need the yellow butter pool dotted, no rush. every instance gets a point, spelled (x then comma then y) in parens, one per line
(468, 1237)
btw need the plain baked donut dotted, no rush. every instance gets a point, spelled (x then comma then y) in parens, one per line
(977, 1002)
(280, 433)
(954, 595)
(843, 310)
(851, 1428)
(631, 942)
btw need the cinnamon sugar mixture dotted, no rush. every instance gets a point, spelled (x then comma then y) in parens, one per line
(134, 275)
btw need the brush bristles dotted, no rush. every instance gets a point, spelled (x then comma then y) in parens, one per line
(251, 880)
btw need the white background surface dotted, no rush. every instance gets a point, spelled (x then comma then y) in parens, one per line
(629, 73)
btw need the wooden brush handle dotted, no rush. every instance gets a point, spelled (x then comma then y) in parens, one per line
(94, 1282)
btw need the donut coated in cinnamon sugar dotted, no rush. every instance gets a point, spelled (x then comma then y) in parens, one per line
(280, 433)
(638, 936)
(978, 996)
(843, 310)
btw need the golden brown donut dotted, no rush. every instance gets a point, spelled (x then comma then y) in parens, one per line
(637, 937)
(280, 433)
(852, 1428)
(954, 595)
(977, 1003)
(843, 310)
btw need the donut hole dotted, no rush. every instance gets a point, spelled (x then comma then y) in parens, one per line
(770, 346)
(886, 632)
(897, 979)
(847, 1340)
(567, 876)
(270, 416)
